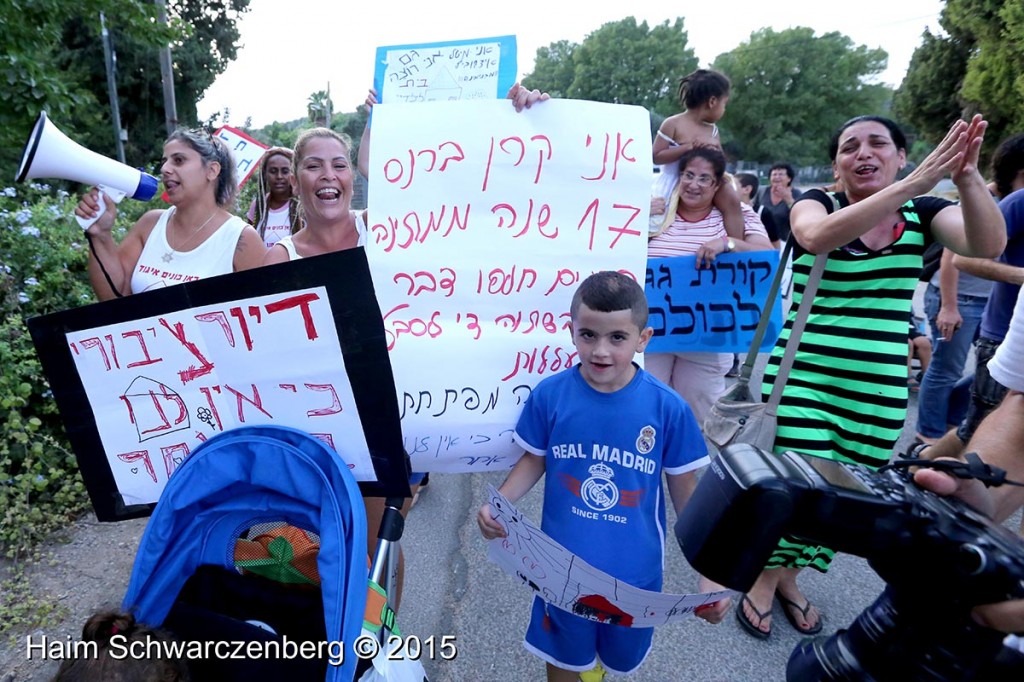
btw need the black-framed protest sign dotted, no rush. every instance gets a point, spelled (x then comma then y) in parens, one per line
(140, 381)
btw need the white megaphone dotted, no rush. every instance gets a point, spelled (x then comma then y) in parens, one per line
(49, 153)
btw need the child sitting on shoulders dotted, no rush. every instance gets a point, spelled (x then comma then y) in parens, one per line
(703, 95)
(597, 506)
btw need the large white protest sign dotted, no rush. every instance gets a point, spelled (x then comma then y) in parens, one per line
(563, 579)
(482, 223)
(159, 386)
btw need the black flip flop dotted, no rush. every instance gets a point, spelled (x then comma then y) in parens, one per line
(752, 629)
(787, 604)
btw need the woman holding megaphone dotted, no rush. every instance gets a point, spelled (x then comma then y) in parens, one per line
(197, 237)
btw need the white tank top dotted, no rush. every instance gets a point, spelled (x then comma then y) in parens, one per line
(161, 266)
(289, 246)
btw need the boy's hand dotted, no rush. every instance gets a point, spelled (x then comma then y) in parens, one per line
(489, 526)
(715, 611)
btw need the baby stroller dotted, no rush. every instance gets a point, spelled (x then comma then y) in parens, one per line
(234, 486)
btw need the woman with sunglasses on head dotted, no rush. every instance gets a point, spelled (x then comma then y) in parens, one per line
(698, 228)
(846, 396)
(197, 237)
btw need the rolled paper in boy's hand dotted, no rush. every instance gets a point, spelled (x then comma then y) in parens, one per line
(563, 579)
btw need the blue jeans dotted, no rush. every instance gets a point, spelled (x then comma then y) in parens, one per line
(947, 365)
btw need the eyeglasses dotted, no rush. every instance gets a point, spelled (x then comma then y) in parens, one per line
(701, 180)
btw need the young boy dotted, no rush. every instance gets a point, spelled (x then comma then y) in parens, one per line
(601, 433)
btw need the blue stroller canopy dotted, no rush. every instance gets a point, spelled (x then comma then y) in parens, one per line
(241, 478)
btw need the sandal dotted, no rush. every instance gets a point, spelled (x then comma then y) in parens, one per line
(788, 604)
(754, 630)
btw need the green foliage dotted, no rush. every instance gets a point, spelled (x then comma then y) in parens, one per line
(977, 67)
(44, 259)
(791, 89)
(927, 98)
(54, 61)
(319, 108)
(36, 74)
(622, 62)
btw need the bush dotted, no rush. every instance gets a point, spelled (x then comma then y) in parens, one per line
(43, 258)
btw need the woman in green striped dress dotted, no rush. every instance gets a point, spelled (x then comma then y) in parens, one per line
(846, 396)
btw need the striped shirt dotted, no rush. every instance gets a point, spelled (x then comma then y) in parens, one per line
(683, 238)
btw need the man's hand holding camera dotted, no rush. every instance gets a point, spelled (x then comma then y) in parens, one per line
(1007, 616)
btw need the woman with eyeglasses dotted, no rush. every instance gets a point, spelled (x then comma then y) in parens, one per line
(698, 228)
(196, 237)
(846, 396)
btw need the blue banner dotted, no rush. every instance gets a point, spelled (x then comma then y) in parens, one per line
(716, 308)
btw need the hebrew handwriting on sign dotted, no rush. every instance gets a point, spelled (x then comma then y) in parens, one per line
(477, 237)
(563, 579)
(482, 68)
(158, 386)
(716, 308)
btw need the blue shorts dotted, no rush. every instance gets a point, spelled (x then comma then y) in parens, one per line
(573, 643)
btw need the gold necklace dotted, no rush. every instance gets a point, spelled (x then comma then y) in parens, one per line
(169, 256)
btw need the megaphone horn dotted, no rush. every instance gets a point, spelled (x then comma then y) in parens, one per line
(49, 153)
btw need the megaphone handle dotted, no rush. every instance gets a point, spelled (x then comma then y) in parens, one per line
(115, 195)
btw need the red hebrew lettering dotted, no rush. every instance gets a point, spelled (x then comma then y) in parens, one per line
(174, 455)
(472, 323)
(507, 321)
(327, 439)
(128, 404)
(113, 351)
(401, 170)
(74, 349)
(433, 158)
(236, 313)
(193, 372)
(620, 153)
(459, 156)
(255, 401)
(335, 407)
(213, 408)
(288, 387)
(254, 311)
(166, 425)
(624, 229)
(95, 342)
(135, 456)
(222, 319)
(564, 278)
(145, 351)
(592, 213)
(604, 159)
(301, 301)
(200, 436)
(540, 154)
(149, 403)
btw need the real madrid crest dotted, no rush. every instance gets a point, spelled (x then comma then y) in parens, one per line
(645, 441)
(598, 491)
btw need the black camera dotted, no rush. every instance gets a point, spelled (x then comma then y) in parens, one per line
(938, 556)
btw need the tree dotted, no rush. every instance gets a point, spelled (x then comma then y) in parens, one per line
(37, 76)
(792, 89)
(929, 97)
(978, 66)
(319, 108)
(206, 43)
(621, 62)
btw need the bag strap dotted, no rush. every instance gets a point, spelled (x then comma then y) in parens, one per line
(802, 313)
(762, 325)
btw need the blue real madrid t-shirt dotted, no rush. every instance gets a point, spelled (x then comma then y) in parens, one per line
(605, 453)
